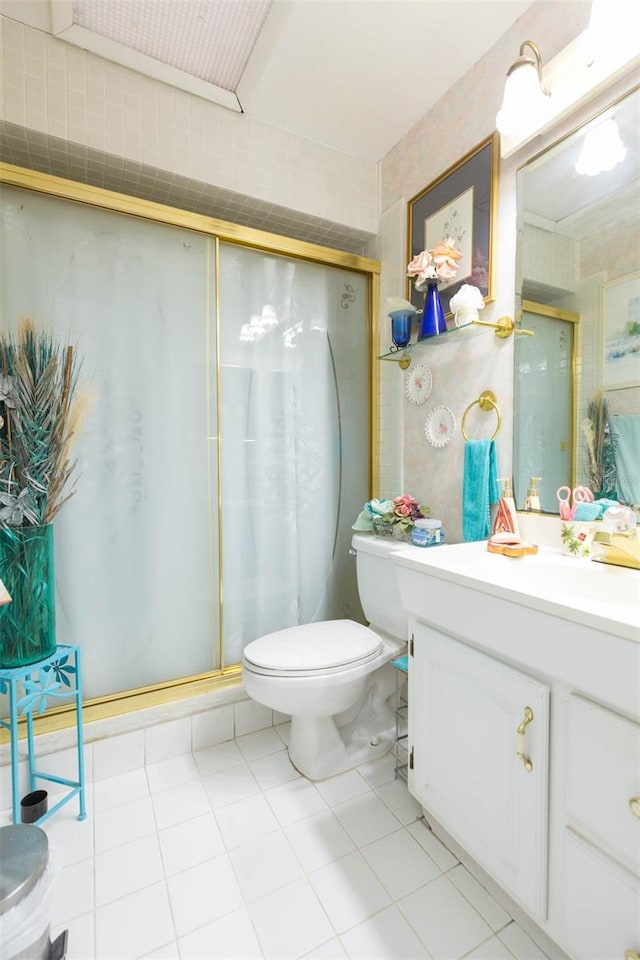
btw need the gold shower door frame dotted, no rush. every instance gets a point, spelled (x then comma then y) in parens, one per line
(218, 231)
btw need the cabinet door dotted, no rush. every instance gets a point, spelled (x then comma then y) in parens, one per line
(464, 712)
(603, 780)
(602, 904)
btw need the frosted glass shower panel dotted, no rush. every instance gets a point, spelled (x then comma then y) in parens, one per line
(543, 404)
(136, 547)
(294, 362)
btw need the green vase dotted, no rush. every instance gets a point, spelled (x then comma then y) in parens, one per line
(28, 623)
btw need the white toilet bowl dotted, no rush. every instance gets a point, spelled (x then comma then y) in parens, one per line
(334, 680)
(333, 677)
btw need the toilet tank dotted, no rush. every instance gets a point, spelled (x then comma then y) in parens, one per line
(377, 584)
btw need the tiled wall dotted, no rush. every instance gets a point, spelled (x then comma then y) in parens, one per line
(549, 260)
(56, 90)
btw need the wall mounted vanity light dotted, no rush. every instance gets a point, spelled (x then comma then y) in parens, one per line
(608, 50)
(525, 102)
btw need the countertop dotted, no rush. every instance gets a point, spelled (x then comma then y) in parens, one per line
(596, 595)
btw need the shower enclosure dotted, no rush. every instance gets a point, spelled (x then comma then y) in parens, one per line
(227, 449)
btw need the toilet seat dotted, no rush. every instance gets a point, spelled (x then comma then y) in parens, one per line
(312, 649)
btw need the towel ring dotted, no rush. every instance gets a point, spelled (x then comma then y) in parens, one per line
(486, 401)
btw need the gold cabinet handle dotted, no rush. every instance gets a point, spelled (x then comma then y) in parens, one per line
(522, 729)
(634, 803)
(631, 955)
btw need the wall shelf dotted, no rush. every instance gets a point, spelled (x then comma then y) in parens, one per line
(502, 329)
(402, 356)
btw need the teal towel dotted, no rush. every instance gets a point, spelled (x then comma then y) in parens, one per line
(627, 457)
(480, 488)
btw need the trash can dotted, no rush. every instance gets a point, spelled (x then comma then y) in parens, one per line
(26, 874)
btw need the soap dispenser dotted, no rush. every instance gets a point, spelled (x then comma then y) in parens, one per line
(532, 502)
(511, 504)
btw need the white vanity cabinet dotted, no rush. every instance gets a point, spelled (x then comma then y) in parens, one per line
(491, 637)
(601, 856)
(480, 734)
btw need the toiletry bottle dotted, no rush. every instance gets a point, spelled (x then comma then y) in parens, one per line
(427, 533)
(511, 504)
(532, 503)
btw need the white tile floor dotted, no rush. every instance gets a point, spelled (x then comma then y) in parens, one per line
(229, 853)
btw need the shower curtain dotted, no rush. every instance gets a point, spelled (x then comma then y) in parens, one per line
(283, 465)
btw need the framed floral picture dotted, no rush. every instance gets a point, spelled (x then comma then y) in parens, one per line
(621, 333)
(461, 205)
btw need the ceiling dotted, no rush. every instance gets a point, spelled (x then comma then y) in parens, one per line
(355, 75)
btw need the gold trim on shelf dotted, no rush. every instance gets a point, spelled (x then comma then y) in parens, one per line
(486, 401)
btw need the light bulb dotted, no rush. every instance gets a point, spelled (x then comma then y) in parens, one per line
(524, 106)
(602, 149)
(613, 31)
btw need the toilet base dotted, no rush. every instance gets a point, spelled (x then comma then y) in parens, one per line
(322, 747)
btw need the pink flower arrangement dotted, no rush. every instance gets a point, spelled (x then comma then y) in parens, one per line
(440, 263)
(406, 508)
(404, 512)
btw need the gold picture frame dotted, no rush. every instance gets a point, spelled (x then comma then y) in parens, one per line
(460, 203)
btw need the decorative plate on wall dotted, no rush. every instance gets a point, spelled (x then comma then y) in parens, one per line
(418, 383)
(440, 426)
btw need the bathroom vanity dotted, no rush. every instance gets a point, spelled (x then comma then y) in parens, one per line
(524, 732)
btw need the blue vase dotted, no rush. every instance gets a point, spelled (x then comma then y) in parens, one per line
(401, 326)
(28, 623)
(433, 316)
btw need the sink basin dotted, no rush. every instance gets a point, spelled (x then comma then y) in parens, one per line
(584, 580)
(595, 594)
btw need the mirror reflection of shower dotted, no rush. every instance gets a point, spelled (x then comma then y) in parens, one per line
(578, 277)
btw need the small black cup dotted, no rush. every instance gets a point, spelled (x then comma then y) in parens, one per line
(34, 806)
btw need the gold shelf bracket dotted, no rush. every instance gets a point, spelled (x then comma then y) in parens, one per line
(505, 327)
(403, 359)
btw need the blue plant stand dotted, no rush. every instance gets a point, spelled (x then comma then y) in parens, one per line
(57, 677)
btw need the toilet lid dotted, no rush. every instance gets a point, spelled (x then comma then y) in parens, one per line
(314, 646)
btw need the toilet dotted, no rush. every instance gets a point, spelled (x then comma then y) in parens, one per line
(333, 678)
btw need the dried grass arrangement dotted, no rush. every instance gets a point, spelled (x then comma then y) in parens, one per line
(39, 417)
(601, 448)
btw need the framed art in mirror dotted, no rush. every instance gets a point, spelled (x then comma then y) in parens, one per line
(460, 204)
(621, 333)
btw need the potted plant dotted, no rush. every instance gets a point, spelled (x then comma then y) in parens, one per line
(39, 416)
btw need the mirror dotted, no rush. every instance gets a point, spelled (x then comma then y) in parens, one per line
(577, 381)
